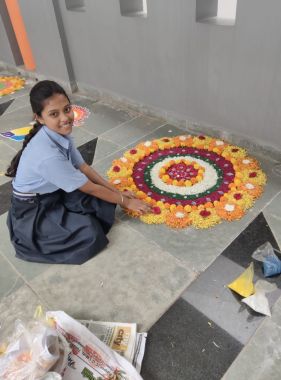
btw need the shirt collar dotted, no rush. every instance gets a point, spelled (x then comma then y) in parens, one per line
(63, 141)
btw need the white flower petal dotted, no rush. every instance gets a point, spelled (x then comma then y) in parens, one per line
(210, 178)
(116, 182)
(219, 142)
(123, 159)
(180, 215)
(147, 143)
(229, 208)
(249, 186)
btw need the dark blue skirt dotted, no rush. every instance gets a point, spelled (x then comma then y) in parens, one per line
(60, 227)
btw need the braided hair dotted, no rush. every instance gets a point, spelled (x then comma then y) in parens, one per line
(38, 95)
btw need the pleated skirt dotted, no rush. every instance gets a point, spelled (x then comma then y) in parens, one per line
(60, 227)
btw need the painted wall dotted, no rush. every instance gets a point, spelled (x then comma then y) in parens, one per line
(44, 38)
(229, 77)
(6, 54)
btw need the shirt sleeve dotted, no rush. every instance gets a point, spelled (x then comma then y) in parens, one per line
(60, 172)
(75, 155)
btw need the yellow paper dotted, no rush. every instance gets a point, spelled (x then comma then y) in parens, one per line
(243, 284)
(21, 131)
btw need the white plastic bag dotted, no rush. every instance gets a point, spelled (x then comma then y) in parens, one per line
(30, 352)
(271, 263)
(258, 302)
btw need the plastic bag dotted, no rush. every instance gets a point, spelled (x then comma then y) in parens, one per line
(271, 263)
(258, 302)
(243, 284)
(31, 351)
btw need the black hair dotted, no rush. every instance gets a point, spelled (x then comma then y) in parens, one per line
(38, 95)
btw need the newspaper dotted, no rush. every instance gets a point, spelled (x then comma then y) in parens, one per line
(90, 357)
(120, 337)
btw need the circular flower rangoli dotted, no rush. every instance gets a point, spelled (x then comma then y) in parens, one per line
(10, 84)
(189, 180)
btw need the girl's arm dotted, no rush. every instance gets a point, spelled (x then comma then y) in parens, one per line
(100, 188)
(108, 195)
(93, 176)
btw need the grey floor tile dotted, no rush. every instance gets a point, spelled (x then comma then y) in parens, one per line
(5, 196)
(260, 359)
(81, 135)
(9, 278)
(19, 103)
(20, 304)
(132, 131)
(27, 270)
(105, 148)
(103, 118)
(181, 346)
(275, 226)
(198, 248)
(7, 153)
(132, 280)
(210, 295)
(87, 150)
(16, 119)
(5, 105)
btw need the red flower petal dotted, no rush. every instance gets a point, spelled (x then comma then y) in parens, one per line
(253, 174)
(237, 196)
(156, 210)
(205, 213)
(133, 151)
(116, 169)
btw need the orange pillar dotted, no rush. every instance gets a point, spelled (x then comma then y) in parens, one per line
(21, 35)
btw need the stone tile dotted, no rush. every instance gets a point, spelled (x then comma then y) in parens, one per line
(103, 118)
(6, 155)
(260, 359)
(20, 304)
(87, 151)
(210, 295)
(5, 105)
(5, 196)
(28, 270)
(132, 280)
(132, 131)
(181, 346)
(16, 119)
(104, 148)
(198, 248)
(274, 207)
(275, 226)
(19, 102)
(81, 136)
(9, 278)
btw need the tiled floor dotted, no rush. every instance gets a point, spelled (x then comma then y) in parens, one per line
(151, 272)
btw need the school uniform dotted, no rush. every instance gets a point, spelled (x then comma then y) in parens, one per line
(50, 220)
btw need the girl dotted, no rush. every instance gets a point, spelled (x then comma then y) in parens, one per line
(61, 208)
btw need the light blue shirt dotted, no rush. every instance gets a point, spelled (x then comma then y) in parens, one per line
(49, 162)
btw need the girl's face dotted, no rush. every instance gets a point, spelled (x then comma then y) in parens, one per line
(57, 114)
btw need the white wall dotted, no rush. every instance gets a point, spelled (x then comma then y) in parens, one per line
(229, 77)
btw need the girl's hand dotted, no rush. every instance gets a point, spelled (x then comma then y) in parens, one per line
(137, 205)
(129, 194)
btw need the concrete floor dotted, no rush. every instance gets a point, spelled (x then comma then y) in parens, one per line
(145, 268)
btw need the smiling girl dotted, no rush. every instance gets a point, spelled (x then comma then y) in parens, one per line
(61, 208)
